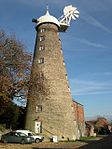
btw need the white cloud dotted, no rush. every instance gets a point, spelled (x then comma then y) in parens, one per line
(98, 74)
(85, 41)
(97, 5)
(91, 20)
(93, 44)
(93, 86)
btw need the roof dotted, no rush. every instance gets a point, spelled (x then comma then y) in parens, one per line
(77, 102)
(47, 18)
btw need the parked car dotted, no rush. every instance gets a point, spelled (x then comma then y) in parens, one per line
(37, 138)
(16, 137)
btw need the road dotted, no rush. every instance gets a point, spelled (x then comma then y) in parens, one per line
(104, 143)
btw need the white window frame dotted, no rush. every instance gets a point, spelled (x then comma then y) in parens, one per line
(41, 47)
(38, 108)
(42, 38)
(42, 30)
(41, 60)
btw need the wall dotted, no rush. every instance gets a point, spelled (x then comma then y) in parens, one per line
(79, 117)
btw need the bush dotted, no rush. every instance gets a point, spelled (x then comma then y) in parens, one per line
(2, 127)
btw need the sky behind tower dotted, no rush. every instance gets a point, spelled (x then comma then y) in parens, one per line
(87, 45)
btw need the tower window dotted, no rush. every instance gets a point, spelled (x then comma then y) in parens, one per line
(42, 30)
(63, 62)
(68, 88)
(38, 108)
(66, 76)
(41, 60)
(40, 75)
(42, 47)
(42, 38)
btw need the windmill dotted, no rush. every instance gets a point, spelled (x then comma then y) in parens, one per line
(51, 114)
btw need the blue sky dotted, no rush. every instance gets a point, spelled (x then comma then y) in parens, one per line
(87, 45)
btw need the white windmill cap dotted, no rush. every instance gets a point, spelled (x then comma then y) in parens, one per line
(47, 18)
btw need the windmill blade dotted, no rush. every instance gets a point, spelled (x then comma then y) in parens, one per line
(67, 9)
(76, 11)
(73, 17)
(76, 15)
(74, 8)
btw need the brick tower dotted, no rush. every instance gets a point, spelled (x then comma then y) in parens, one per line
(50, 109)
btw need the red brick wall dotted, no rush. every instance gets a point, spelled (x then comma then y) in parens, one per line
(75, 110)
(79, 116)
(78, 112)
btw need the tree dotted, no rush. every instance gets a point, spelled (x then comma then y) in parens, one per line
(15, 65)
(10, 116)
(101, 125)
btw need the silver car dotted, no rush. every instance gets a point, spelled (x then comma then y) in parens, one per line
(16, 137)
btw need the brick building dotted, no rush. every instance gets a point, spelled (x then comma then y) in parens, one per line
(79, 117)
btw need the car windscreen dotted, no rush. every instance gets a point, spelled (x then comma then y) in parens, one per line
(22, 134)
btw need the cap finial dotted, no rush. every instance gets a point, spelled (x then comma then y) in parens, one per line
(47, 10)
(47, 7)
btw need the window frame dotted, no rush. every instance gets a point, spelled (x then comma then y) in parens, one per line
(41, 47)
(42, 30)
(41, 60)
(38, 108)
(42, 38)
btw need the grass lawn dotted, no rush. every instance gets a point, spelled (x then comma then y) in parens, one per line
(88, 138)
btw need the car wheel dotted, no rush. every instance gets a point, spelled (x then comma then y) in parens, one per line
(5, 141)
(37, 141)
(22, 141)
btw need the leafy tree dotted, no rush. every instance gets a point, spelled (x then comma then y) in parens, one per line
(101, 125)
(15, 65)
(15, 68)
(10, 116)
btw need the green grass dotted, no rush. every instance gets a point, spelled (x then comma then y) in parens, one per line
(87, 138)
